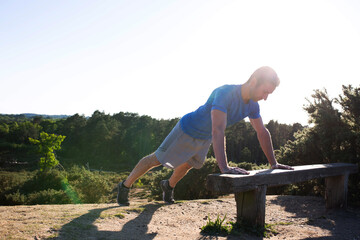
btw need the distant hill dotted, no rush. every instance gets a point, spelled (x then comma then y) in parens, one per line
(32, 115)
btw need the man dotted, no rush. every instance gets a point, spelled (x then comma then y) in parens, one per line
(188, 143)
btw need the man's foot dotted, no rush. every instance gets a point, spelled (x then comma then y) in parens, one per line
(168, 192)
(123, 195)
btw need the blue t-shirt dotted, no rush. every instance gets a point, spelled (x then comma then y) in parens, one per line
(227, 99)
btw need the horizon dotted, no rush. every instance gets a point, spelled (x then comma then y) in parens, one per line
(89, 116)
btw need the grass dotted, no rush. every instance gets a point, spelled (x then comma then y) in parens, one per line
(136, 210)
(116, 215)
(219, 227)
(216, 227)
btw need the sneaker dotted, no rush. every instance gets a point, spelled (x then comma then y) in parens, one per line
(123, 195)
(168, 192)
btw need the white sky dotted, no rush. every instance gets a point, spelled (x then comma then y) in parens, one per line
(163, 58)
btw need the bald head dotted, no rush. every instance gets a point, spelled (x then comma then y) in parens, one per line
(265, 74)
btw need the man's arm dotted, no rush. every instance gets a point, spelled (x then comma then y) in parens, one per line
(264, 138)
(218, 119)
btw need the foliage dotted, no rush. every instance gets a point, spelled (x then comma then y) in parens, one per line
(49, 196)
(47, 144)
(333, 137)
(91, 187)
(216, 227)
(242, 143)
(37, 186)
(76, 185)
(9, 180)
(193, 185)
(117, 142)
(241, 227)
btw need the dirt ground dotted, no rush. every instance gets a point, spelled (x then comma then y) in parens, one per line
(295, 217)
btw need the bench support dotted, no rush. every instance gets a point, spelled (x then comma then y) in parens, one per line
(336, 191)
(250, 205)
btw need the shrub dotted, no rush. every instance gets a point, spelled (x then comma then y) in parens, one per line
(91, 187)
(77, 185)
(49, 196)
(44, 180)
(17, 186)
(9, 180)
(15, 198)
(193, 185)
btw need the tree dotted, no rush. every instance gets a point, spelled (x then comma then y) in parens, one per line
(334, 135)
(47, 144)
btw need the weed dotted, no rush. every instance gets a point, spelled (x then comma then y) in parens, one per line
(238, 228)
(117, 215)
(283, 223)
(137, 210)
(216, 227)
(242, 226)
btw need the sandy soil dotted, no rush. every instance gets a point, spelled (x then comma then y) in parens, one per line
(295, 217)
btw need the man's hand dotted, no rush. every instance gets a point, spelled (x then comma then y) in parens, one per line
(281, 166)
(235, 170)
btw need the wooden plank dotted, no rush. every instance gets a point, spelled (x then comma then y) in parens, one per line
(250, 206)
(234, 183)
(336, 191)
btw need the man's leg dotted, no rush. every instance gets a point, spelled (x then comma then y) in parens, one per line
(168, 185)
(178, 174)
(143, 166)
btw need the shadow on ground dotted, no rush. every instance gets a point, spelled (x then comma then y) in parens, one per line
(340, 222)
(83, 227)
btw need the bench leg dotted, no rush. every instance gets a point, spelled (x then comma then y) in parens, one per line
(250, 205)
(336, 191)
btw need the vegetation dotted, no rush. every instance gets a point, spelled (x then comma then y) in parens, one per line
(333, 137)
(186, 189)
(114, 144)
(47, 144)
(216, 227)
(77, 185)
(222, 228)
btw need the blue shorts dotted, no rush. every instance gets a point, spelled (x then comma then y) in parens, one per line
(178, 148)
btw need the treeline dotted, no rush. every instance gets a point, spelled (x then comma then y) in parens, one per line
(117, 142)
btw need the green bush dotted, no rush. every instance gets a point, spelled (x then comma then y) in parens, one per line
(43, 180)
(49, 196)
(25, 188)
(9, 180)
(15, 198)
(77, 185)
(193, 185)
(91, 187)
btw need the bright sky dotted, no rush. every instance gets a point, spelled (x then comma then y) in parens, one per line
(163, 58)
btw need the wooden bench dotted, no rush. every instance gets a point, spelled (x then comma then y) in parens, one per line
(250, 190)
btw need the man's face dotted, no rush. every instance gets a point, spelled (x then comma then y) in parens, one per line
(262, 91)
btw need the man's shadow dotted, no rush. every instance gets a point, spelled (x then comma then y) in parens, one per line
(83, 227)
